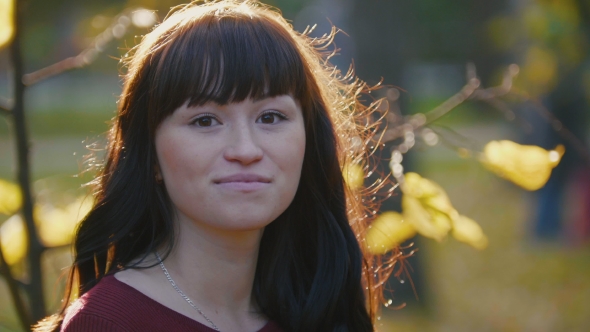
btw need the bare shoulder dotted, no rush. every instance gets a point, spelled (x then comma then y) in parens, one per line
(138, 279)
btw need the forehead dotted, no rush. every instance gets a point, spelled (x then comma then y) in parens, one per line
(228, 59)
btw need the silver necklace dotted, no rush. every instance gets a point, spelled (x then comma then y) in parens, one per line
(183, 295)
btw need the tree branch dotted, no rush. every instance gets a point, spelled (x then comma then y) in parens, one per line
(453, 102)
(13, 287)
(472, 91)
(81, 60)
(116, 30)
(55, 69)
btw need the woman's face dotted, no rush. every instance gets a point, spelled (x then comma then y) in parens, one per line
(232, 167)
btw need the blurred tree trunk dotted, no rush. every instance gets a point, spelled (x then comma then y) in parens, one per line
(28, 296)
(34, 287)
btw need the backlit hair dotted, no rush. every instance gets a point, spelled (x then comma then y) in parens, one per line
(313, 273)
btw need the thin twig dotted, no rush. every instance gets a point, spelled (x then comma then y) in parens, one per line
(86, 57)
(56, 69)
(497, 91)
(435, 114)
(472, 91)
(116, 30)
(453, 102)
(453, 139)
(509, 114)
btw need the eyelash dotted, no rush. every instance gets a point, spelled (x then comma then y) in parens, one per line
(195, 121)
(277, 113)
(203, 116)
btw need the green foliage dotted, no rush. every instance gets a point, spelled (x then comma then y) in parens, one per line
(58, 123)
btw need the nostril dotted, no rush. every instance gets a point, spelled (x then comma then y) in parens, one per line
(244, 154)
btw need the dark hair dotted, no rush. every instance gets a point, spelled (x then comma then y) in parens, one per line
(312, 274)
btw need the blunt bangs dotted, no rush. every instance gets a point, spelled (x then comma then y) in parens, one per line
(225, 58)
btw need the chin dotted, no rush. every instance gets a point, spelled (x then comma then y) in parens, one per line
(247, 224)
(242, 221)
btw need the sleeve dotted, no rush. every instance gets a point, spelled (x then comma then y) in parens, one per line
(82, 322)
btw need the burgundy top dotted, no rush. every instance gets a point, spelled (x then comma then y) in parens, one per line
(112, 305)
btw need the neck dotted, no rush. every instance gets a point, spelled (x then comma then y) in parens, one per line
(216, 267)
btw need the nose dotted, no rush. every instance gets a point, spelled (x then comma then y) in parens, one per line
(243, 146)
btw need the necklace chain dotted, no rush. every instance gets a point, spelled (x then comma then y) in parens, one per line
(187, 299)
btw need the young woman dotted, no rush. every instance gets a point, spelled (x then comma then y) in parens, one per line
(221, 205)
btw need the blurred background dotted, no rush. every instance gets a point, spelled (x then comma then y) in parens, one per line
(535, 273)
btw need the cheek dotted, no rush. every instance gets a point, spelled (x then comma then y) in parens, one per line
(177, 162)
(169, 157)
(292, 153)
(182, 174)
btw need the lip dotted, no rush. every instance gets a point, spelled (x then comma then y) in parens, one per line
(243, 178)
(243, 182)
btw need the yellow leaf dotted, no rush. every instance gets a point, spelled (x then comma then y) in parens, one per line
(10, 197)
(468, 231)
(14, 240)
(56, 226)
(528, 166)
(6, 24)
(429, 193)
(427, 207)
(427, 221)
(353, 176)
(388, 231)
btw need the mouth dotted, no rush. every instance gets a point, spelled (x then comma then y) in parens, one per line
(243, 182)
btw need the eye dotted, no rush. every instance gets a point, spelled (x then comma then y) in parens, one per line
(271, 117)
(205, 120)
